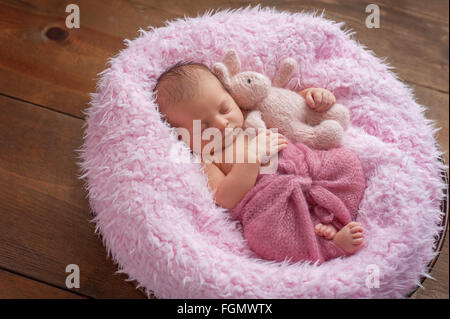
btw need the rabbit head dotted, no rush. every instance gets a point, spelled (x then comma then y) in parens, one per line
(247, 88)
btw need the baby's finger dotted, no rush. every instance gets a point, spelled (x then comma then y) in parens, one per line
(275, 135)
(317, 98)
(323, 97)
(267, 132)
(322, 107)
(326, 99)
(309, 99)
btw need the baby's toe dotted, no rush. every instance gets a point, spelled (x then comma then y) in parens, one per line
(333, 232)
(318, 229)
(356, 229)
(357, 241)
(357, 235)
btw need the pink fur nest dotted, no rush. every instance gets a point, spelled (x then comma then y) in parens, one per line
(157, 217)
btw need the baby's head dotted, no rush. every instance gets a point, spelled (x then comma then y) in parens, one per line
(189, 91)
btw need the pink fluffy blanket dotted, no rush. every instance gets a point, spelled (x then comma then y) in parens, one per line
(279, 213)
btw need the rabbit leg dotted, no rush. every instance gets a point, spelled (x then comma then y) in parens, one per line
(337, 112)
(325, 135)
(329, 134)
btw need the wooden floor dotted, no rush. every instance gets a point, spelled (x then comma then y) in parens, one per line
(45, 81)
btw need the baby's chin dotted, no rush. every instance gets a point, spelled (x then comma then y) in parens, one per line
(228, 141)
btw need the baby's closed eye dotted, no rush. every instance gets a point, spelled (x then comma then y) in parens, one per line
(225, 109)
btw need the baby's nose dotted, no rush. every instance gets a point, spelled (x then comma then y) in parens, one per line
(222, 123)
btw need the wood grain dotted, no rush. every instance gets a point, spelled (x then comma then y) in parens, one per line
(45, 216)
(437, 110)
(60, 74)
(13, 286)
(436, 288)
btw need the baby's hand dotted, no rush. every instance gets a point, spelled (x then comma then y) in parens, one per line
(320, 100)
(267, 144)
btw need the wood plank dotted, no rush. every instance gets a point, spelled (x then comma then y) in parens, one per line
(436, 10)
(437, 288)
(437, 104)
(44, 220)
(416, 47)
(13, 286)
(60, 74)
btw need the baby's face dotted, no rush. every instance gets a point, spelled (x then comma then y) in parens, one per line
(213, 106)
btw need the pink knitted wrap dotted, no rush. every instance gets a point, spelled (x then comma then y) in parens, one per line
(310, 186)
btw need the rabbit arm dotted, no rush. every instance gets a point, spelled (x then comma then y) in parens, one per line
(254, 119)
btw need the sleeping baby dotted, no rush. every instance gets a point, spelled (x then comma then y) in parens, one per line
(306, 210)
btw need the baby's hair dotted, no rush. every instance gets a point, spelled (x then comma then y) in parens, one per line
(179, 82)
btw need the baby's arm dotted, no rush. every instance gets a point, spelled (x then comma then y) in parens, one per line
(231, 188)
(320, 100)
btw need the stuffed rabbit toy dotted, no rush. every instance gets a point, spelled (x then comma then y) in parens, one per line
(280, 108)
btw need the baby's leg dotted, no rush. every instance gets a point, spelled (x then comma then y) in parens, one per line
(350, 238)
(325, 230)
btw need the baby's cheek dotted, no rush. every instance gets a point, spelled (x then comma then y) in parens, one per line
(236, 119)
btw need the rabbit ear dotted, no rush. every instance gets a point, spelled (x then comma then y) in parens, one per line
(222, 73)
(231, 60)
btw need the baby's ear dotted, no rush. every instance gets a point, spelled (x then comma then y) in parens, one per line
(222, 73)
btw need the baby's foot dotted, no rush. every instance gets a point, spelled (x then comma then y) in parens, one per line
(328, 231)
(350, 237)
